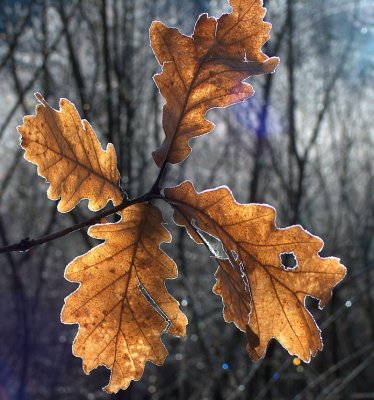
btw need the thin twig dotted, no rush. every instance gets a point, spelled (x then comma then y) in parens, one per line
(27, 243)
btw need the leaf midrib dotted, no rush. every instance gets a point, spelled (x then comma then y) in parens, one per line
(191, 87)
(76, 161)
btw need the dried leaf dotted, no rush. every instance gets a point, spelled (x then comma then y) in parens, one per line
(207, 70)
(122, 281)
(70, 157)
(261, 296)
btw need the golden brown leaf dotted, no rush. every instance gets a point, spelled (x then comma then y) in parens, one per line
(261, 296)
(118, 326)
(207, 70)
(70, 157)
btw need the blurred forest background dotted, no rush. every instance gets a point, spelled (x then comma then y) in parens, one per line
(304, 144)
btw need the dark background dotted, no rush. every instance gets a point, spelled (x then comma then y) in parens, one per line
(304, 144)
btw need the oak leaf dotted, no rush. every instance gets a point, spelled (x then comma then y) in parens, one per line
(207, 70)
(260, 295)
(70, 157)
(121, 282)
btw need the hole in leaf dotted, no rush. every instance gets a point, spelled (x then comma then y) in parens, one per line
(288, 260)
(154, 304)
(214, 245)
(235, 255)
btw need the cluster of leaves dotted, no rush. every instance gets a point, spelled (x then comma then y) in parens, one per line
(122, 305)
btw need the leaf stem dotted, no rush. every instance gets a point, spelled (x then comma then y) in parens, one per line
(156, 188)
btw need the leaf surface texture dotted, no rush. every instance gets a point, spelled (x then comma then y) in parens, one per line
(70, 157)
(119, 281)
(207, 70)
(260, 295)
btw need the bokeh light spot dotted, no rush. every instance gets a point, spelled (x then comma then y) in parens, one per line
(296, 361)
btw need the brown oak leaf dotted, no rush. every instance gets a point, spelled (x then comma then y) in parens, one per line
(70, 157)
(261, 296)
(207, 70)
(122, 305)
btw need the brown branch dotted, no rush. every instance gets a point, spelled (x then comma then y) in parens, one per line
(27, 243)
